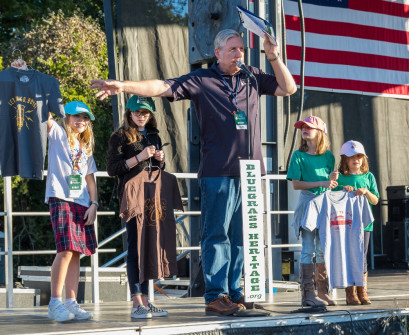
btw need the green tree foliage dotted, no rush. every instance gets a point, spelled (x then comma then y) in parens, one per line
(20, 15)
(73, 50)
(65, 39)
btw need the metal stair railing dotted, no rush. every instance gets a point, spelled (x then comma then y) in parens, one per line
(9, 253)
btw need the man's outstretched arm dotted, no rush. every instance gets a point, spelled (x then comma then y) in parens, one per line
(145, 88)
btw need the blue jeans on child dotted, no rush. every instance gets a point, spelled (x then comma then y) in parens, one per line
(132, 267)
(222, 237)
(311, 246)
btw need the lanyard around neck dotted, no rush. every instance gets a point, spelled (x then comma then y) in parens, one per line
(233, 94)
(75, 158)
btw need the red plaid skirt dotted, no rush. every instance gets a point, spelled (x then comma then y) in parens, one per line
(70, 233)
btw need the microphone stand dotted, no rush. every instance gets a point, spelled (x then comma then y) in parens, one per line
(248, 118)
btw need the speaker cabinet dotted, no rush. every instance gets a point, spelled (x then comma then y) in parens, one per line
(398, 210)
(397, 192)
(396, 241)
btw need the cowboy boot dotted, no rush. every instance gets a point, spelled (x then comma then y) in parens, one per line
(362, 291)
(321, 280)
(351, 296)
(309, 297)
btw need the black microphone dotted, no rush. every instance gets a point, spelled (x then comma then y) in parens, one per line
(245, 70)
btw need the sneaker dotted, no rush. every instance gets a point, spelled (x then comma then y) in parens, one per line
(58, 312)
(140, 312)
(156, 311)
(78, 311)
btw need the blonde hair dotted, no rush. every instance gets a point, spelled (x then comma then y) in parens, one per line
(130, 129)
(86, 138)
(343, 165)
(323, 143)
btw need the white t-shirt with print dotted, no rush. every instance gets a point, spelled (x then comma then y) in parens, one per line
(60, 166)
(340, 218)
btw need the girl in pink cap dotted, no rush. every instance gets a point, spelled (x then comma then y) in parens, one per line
(310, 169)
(354, 176)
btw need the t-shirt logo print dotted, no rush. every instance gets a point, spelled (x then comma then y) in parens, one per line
(22, 116)
(338, 220)
(155, 212)
(23, 107)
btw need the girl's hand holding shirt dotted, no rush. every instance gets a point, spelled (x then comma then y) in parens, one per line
(334, 175)
(146, 153)
(159, 155)
(361, 191)
(348, 188)
(330, 184)
(151, 151)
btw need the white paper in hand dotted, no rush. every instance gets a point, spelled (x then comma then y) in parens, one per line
(256, 24)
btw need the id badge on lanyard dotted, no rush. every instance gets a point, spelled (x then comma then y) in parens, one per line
(239, 116)
(240, 120)
(75, 179)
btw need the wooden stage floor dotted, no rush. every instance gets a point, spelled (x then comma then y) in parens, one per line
(388, 290)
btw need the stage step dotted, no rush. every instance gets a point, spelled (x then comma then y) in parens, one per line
(22, 297)
(113, 283)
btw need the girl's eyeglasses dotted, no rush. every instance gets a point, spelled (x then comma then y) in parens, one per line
(139, 113)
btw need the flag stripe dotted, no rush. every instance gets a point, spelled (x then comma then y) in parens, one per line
(348, 29)
(350, 72)
(349, 58)
(355, 86)
(380, 6)
(341, 43)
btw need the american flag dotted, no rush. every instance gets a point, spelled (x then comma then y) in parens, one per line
(352, 46)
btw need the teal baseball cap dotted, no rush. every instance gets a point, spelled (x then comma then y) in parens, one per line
(77, 107)
(136, 102)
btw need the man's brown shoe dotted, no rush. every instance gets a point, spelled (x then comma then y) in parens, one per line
(223, 306)
(248, 305)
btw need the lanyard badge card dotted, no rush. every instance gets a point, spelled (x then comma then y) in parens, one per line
(240, 120)
(75, 182)
(239, 116)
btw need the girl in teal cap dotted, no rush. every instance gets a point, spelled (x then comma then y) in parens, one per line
(71, 194)
(131, 148)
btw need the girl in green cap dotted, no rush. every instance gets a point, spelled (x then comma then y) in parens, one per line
(131, 148)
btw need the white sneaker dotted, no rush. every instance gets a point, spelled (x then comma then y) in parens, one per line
(58, 312)
(156, 311)
(78, 311)
(140, 312)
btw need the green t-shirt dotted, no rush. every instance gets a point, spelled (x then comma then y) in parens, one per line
(306, 167)
(366, 180)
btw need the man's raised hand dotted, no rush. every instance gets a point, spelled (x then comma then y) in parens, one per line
(106, 88)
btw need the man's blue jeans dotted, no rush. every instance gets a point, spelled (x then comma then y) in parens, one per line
(222, 237)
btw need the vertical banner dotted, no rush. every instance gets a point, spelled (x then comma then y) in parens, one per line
(253, 231)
